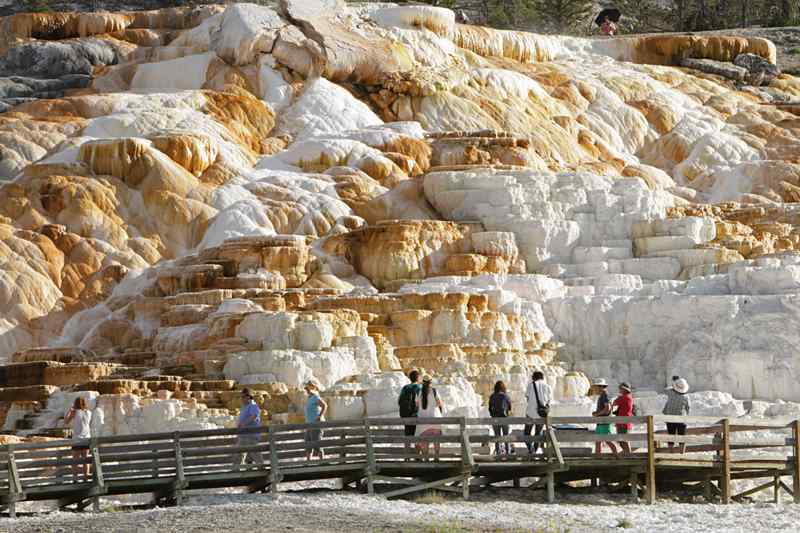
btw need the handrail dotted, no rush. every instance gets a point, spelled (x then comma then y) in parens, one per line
(445, 421)
(362, 448)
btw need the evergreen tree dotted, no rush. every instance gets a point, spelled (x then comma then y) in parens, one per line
(564, 16)
(516, 14)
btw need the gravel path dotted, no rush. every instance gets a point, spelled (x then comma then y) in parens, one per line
(504, 511)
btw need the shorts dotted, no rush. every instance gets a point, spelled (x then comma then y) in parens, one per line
(603, 429)
(431, 432)
(313, 435)
(676, 429)
(410, 431)
(80, 447)
(622, 429)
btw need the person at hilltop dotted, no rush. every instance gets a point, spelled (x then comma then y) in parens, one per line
(677, 405)
(249, 417)
(500, 407)
(603, 409)
(608, 27)
(538, 395)
(408, 406)
(81, 419)
(315, 411)
(623, 406)
(429, 405)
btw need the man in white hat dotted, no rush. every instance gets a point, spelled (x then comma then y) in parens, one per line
(603, 409)
(677, 405)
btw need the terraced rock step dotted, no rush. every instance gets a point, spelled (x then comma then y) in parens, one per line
(201, 199)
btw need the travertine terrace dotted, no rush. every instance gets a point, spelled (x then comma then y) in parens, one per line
(194, 200)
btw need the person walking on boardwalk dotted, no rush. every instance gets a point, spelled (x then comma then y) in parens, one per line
(603, 409)
(429, 405)
(81, 419)
(315, 412)
(407, 402)
(249, 417)
(623, 406)
(538, 397)
(500, 407)
(677, 405)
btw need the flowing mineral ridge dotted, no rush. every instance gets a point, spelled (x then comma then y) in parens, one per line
(194, 200)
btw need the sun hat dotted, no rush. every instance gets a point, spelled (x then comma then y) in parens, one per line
(311, 385)
(624, 386)
(427, 377)
(600, 382)
(681, 386)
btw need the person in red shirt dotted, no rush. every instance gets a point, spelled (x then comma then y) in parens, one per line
(624, 407)
(608, 27)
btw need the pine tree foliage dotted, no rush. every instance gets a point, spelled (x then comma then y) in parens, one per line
(564, 16)
(638, 16)
(700, 15)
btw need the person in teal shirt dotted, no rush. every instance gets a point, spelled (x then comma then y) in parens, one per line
(314, 412)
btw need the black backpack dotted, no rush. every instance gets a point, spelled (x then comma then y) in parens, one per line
(497, 405)
(408, 401)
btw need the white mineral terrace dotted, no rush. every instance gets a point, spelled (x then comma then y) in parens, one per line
(199, 199)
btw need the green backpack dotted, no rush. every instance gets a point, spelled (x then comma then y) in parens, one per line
(408, 401)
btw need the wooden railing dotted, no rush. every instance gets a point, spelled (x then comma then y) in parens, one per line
(376, 451)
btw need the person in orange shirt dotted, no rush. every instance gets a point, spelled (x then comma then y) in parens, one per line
(623, 406)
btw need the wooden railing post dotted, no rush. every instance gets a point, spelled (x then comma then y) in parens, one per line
(97, 473)
(179, 475)
(371, 466)
(633, 479)
(726, 461)
(155, 462)
(796, 464)
(651, 461)
(14, 484)
(467, 462)
(274, 469)
(342, 443)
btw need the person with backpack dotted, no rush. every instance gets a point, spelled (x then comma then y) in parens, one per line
(603, 409)
(538, 397)
(407, 403)
(624, 407)
(500, 407)
(429, 405)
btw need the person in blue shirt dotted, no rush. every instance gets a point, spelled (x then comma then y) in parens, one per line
(315, 412)
(249, 417)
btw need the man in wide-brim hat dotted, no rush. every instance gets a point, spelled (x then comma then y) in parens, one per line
(677, 405)
(624, 407)
(603, 409)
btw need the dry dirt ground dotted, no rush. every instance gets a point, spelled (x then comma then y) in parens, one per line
(503, 510)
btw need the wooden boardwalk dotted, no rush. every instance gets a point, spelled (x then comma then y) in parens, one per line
(375, 455)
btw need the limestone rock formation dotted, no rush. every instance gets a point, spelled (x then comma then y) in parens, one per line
(197, 199)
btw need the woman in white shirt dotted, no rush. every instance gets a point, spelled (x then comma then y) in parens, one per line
(81, 419)
(429, 405)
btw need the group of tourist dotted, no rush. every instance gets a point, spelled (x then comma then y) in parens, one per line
(419, 399)
(250, 420)
(623, 405)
